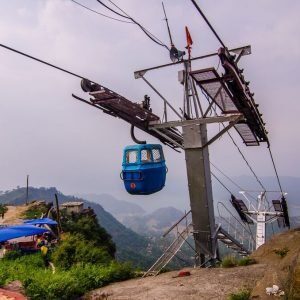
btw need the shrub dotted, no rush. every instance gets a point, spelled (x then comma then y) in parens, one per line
(90, 230)
(243, 294)
(282, 252)
(35, 211)
(74, 249)
(45, 285)
(13, 254)
(3, 210)
(228, 262)
(246, 261)
(40, 283)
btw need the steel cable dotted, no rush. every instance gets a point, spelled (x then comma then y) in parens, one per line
(43, 62)
(147, 32)
(275, 169)
(103, 15)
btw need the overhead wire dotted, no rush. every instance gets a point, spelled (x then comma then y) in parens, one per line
(236, 145)
(233, 182)
(118, 7)
(231, 193)
(43, 62)
(224, 186)
(142, 27)
(246, 161)
(147, 32)
(112, 10)
(275, 169)
(208, 23)
(244, 158)
(103, 15)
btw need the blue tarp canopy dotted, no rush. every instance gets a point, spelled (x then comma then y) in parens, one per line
(13, 232)
(43, 221)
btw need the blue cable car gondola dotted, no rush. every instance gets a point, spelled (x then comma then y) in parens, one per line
(143, 169)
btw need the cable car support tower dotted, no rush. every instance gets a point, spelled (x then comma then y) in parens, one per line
(228, 93)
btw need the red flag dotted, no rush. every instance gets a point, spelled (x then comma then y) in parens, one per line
(188, 37)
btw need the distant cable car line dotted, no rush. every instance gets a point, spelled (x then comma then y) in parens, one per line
(103, 15)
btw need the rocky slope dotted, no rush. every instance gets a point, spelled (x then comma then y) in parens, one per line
(273, 268)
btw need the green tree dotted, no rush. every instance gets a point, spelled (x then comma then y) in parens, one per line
(74, 250)
(89, 228)
(3, 210)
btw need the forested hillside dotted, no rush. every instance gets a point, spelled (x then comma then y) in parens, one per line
(130, 246)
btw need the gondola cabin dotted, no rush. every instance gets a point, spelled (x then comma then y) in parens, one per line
(143, 169)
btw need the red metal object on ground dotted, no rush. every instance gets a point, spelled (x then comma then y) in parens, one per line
(11, 295)
(184, 273)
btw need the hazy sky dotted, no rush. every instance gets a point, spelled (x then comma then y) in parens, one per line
(64, 143)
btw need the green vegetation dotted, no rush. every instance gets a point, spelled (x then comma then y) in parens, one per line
(90, 230)
(3, 210)
(35, 212)
(282, 252)
(228, 262)
(40, 283)
(246, 261)
(14, 254)
(83, 259)
(130, 246)
(243, 294)
(75, 250)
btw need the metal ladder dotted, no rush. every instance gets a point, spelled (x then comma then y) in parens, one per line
(236, 236)
(170, 251)
(232, 243)
(239, 241)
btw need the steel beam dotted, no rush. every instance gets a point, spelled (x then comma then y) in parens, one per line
(167, 137)
(140, 73)
(208, 120)
(225, 129)
(200, 189)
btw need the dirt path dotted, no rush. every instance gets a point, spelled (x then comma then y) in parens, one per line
(204, 284)
(13, 215)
